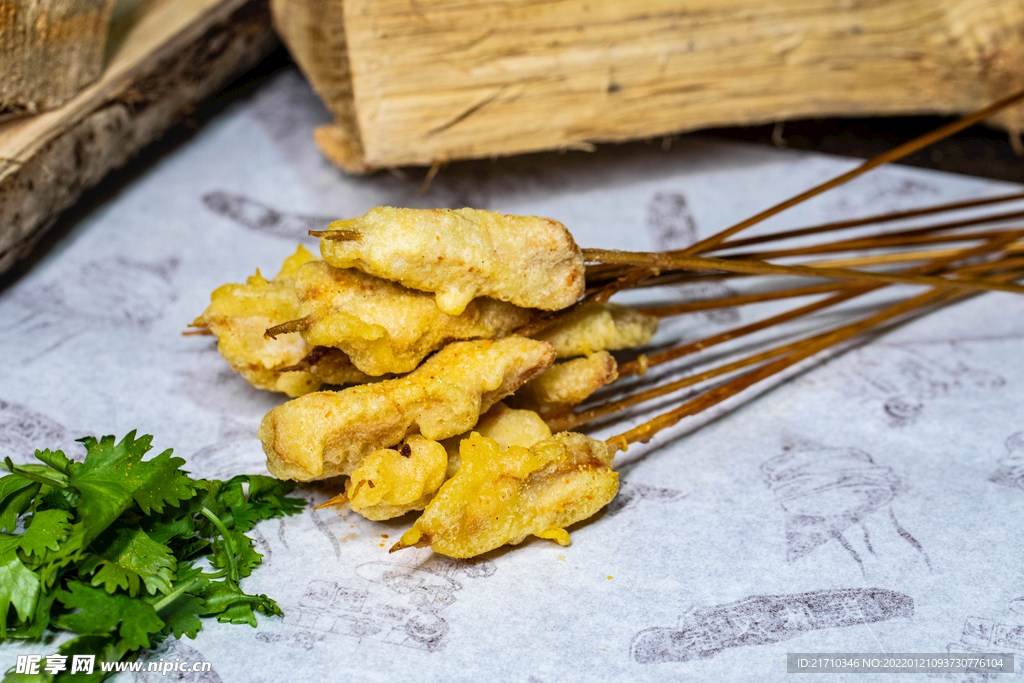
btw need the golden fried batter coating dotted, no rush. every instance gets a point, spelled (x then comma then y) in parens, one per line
(327, 433)
(506, 426)
(499, 497)
(239, 315)
(562, 387)
(463, 254)
(393, 481)
(384, 327)
(598, 327)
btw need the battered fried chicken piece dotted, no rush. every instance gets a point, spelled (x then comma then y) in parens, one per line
(463, 254)
(327, 433)
(562, 387)
(239, 315)
(384, 327)
(598, 327)
(501, 497)
(393, 481)
(506, 426)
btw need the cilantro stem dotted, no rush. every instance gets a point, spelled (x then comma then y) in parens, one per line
(215, 520)
(61, 483)
(174, 595)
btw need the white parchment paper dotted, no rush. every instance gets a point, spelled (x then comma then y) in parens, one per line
(873, 502)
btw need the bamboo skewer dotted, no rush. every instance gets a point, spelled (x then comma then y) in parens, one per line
(921, 234)
(1012, 262)
(740, 300)
(851, 291)
(691, 277)
(714, 241)
(808, 290)
(809, 347)
(300, 325)
(902, 257)
(647, 430)
(573, 420)
(891, 240)
(666, 261)
(336, 235)
(599, 273)
(870, 220)
(894, 154)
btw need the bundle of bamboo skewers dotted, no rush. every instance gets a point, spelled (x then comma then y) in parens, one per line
(953, 259)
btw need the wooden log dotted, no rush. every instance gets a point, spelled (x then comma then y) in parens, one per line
(171, 55)
(49, 50)
(412, 82)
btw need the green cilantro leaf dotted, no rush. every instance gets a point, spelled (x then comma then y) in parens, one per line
(226, 600)
(181, 616)
(173, 524)
(47, 529)
(56, 499)
(112, 476)
(19, 586)
(100, 612)
(58, 461)
(120, 522)
(127, 556)
(34, 627)
(11, 484)
(17, 494)
(107, 648)
(246, 557)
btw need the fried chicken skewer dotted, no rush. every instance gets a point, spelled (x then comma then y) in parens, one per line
(327, 433)
(502, 493)
(239, 315)
(503, 498)
(461, 254)
(371, 321)
(382, 326)
(466, 518)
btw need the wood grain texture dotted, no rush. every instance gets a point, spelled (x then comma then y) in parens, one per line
(427, 82)
(316, 30)
(49, 50)
(174, 54)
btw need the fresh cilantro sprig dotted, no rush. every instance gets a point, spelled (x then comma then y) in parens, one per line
(109, 548)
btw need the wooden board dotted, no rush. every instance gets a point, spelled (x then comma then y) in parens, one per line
(413, 82)
(169, 55)
(49, 50)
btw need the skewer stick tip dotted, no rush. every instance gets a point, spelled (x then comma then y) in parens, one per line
(337, 500)
(291, 326)
(335, 235)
